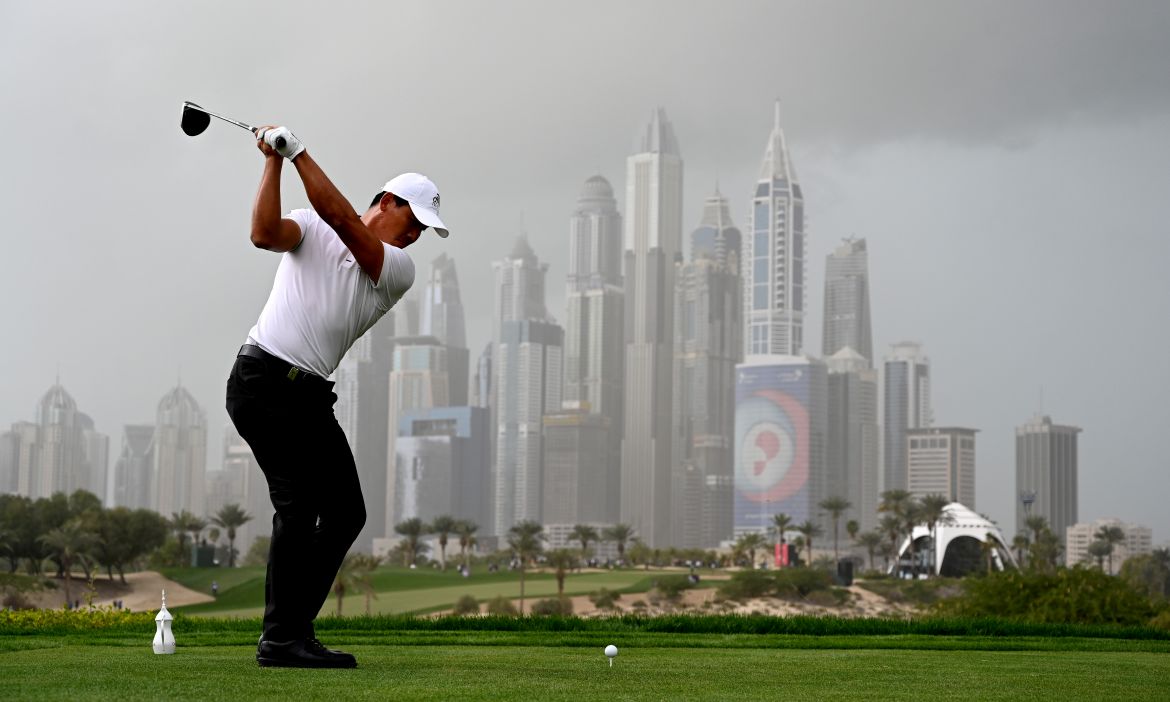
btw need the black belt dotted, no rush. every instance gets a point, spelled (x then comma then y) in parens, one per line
(286, 369)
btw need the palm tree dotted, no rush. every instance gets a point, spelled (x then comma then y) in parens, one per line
(443, 526)
(365, 565)
(1037, 524)
(749, 542)
(870, 541)
(809, 530)
(1111, 535)
(412, 530)
(183, 523)
(231, 517)
(525, 541)
(1020, 544)
(466, 530)
(835, 506)
(894, 501)
(583, 533)
(852, 528)
(1098, 550)
(346, 578)
(780, 524)
(68, 544)
(619, 534)
(562, 560)
(933, 511)
(891, 528)
(911, 517)
(987, 547)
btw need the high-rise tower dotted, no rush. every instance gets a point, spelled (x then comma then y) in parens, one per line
(180, 454)
(653, 245)
(847, 321)
(774, 280)
(905, 405)
(1046, 474)
(527, 377)
(708, 343)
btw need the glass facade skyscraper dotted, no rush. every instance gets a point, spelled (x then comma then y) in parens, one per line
(653, 245)
(774, 259)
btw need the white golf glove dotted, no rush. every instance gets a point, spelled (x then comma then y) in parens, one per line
(292, 145)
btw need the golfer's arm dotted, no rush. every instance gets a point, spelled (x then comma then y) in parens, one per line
(269, 230)
(332, 207)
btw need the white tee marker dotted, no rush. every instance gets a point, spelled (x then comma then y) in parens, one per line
(164, 640)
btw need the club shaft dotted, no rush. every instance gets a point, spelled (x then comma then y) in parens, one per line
(229, 119)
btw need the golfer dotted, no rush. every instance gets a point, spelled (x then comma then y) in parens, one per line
(339, 273)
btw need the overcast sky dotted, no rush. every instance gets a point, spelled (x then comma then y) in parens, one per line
(1007, 161)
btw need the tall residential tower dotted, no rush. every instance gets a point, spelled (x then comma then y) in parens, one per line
(774, 280)
(847, 321)
(653, 245)
(708, 343)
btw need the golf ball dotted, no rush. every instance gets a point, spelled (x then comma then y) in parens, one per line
(611, 650)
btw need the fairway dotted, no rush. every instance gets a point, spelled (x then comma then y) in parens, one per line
(581, 673)
(406, 591)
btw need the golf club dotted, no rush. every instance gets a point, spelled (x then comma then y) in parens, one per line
(195, 120)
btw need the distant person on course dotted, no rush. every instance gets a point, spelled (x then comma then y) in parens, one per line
(339, 273)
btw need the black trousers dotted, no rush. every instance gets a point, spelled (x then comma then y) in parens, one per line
(312, 480)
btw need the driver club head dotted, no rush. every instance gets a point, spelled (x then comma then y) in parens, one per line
(195, 120)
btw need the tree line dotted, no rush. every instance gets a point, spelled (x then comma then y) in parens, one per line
(61, 534)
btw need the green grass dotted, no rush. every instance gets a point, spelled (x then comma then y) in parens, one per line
(538, 672)
(400, 590)
(106, 654)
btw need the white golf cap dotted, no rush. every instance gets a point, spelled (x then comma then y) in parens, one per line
(423, 196)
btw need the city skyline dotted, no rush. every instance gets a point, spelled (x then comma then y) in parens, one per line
(961, 189)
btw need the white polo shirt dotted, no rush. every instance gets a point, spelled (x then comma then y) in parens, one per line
(322, 301)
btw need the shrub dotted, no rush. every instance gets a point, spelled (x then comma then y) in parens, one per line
(553, 606)
(502, 606)
(748, 583)
(466, 605)
(1162, 621)
(1069, 595)
(799, 582)
(604, 599)
(671, 587)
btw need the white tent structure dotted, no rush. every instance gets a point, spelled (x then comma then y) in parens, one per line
(960, 536)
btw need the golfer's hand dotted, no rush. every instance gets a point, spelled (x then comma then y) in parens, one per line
(282, 141)
(265, 149)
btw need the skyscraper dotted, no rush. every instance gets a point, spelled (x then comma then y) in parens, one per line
(576, 485)
(905, 405)
(780, 433)
(530, 375)
(941, 461)
(18, 458)
(443, 464)
(240, 481)
(420, 378)
(653, 245)
(708, 343)
(362, 409)
(847, 321)
(853, 454)
(61, 451)
(442, 318)
(594, 347)
(527, 380)
(774, 280)
(1046, 473)
(180, 454)
(134, 469)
